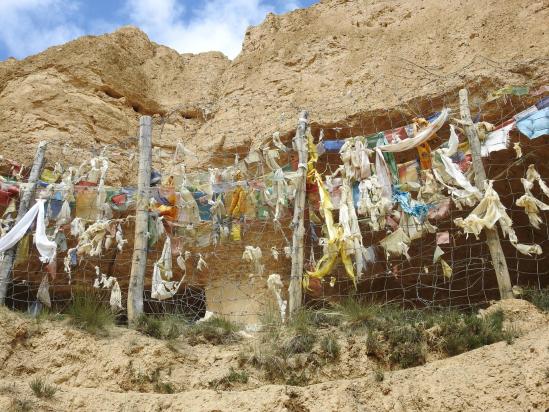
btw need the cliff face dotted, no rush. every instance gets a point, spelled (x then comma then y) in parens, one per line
(90, 93)
(354, 63)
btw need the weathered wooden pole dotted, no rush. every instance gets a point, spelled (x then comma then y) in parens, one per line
(492, 236)
(298, 226)
(139, 259)
(6, 265)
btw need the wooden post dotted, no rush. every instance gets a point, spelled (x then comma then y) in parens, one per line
(6, 265)
(492, 236)
(298, 226)
(139, 259)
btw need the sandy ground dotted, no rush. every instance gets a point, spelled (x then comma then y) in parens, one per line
(103, 374)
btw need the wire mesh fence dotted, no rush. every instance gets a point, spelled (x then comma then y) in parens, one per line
(223, 260)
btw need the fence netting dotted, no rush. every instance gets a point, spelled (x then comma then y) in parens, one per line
(220, 235)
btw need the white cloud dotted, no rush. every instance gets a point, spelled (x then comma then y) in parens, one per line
(214, 25)
(30, 26)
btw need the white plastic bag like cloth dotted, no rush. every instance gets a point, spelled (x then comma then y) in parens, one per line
(20, 228)
(383, 175)
(46, 247)
(254, 255)
(116, 297)
(275, 285)
(489, 212)
(162, 289)
(421, 137)
(453, 169)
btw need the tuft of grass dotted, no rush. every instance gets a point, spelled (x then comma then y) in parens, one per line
(164, 387)
(330, 347)
(355, 313)
(167, 327)
(325, 317)
(302, 321)
(510, 333)
(235, 376)
(407, 342)
(266, 358)
(465, 332)
(299, 343)
(143, 380)
(228, 380)
(88, 313)
(20, 405)
(46, 314)
(42, 389)
(538, 297)
(408, 354)
(373, 344)
(297, 379)
(149, 325)
(379, 375)
(402, 336)
(215, 330)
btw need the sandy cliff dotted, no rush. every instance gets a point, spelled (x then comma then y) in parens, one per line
(353, 63)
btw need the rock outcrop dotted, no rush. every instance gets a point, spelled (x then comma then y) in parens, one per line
(363, 65)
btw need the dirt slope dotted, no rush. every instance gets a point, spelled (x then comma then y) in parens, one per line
(358, 63)
(111, 374)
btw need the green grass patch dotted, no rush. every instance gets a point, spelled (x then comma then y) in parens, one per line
(230, 379)
(538, 297)
(88, 313)
(42, 389)
(215, 330)
(167, 327)
(402, 337)
(379, 375)
(330, 347)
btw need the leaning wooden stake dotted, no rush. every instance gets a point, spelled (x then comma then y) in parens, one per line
(6, 265)
(139, 259)
(492, 237)
(298, 226)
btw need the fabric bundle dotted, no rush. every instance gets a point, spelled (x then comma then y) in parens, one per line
(335, 247)
(497, 140)
(275, 285)
(383, 175)
(489, 212)
(162, 287)
(91, 241)
(421, 137)
(535, 123)
(253, 255)
(531, 204)
(46, 247)
(355, 157)
(411, 207)
(468, 193)
(372, 203)
(396, 244)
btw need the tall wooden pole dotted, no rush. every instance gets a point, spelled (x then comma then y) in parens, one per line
(6, 265)
(298, 226)
(139, 259)
(492, 236)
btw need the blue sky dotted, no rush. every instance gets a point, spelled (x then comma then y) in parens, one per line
(29, 26)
